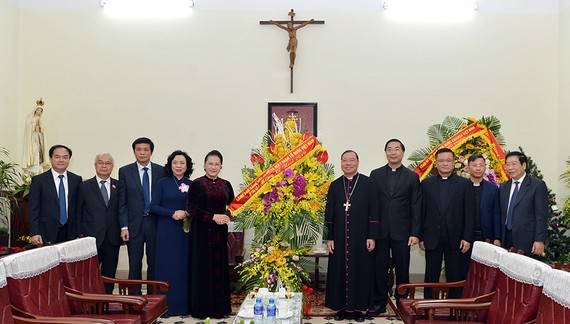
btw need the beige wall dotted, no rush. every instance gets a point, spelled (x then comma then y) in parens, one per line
(203, 82)
(564, 95)
(8, 76)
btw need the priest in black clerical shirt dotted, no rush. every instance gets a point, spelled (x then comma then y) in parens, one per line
(487, 217)
(447, 214)
(351, 217)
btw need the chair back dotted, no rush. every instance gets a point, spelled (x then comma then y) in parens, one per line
(79, 265)
(483, 270)
(519, 289)
(5, 308)
(555, 302)
(34, 282)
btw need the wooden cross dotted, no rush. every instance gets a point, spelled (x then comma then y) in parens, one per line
(292, 31)
(346, 206)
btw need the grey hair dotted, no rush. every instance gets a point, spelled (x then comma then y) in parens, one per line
(102, 154)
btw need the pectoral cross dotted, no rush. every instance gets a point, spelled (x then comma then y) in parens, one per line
(292, 31)
(346, 206)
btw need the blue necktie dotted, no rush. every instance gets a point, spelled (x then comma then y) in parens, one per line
(62, 209)
(104, 193)
(146, 191)
(512, 206)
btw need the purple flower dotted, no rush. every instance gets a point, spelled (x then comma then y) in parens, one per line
(299, 184)
(288, 173)
(269, 199)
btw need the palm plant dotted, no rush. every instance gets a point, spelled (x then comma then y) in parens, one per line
(9, 181)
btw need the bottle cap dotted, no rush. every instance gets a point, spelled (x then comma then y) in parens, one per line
(258, 300)
(271, 300)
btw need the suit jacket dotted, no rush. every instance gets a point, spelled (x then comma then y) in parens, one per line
(43, 206)
(529, 214)
(131, 204)
(400, 213)
(490, 211)
(459, 213)
(96, 219)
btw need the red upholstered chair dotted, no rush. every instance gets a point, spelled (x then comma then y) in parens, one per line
(35, 286)
(555, 302)
(7, 317)
(481, 281)
(516, 299)
(82, 275)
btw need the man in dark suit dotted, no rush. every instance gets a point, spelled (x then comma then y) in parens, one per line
(447, 215)
(138, 225)
(399, 197)
(487, 221)
(524, 208)
(52, 200)
(98, 214)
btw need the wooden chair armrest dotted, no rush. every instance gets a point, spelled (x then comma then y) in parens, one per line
(60, 320)
(403, 288)
(458, 311)
(99, 303)
(126, 285)
(21, 317)
(420, 305)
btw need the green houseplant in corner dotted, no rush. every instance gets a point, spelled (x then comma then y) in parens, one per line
(9, 181)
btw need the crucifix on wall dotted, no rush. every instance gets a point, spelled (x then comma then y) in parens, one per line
(291, 29)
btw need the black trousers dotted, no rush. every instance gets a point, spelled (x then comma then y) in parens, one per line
(401, 259)
(135, 248)
(453, 266)
(108, 255)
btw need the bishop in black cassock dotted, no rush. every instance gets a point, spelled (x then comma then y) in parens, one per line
(351, 217)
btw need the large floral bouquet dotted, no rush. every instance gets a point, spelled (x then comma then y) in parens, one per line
(465, 137)
(289, 202)
(270, 263)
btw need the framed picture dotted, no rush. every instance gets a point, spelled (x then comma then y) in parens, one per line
(304, 113)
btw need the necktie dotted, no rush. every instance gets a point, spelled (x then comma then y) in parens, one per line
(104, 193)
(511, 206)
(62, 209)
(146, 191)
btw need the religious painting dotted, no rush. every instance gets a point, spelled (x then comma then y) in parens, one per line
(304, 114)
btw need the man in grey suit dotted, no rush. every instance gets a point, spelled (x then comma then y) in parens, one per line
(138, 225)
(52, 200)
(98, 214)
(399, 197)
(524, 208)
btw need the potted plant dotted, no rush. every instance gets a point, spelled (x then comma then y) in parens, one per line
(9, 181)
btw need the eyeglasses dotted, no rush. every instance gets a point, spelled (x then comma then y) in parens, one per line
(397, 150)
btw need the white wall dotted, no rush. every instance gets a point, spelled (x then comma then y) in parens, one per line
(203, 82)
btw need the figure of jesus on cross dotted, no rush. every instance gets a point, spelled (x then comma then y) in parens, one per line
(292, 30)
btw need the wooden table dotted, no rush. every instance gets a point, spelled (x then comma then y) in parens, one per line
(317, 255)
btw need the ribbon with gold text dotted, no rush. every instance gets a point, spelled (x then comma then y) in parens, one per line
(252, 190)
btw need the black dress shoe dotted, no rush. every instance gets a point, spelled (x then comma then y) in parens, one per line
(341, 315)
(358, 316)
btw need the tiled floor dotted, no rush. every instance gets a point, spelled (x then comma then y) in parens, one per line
(307, 320)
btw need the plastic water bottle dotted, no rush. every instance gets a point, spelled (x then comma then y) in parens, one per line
(258, 311)
(271, 312)
(324, 246)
